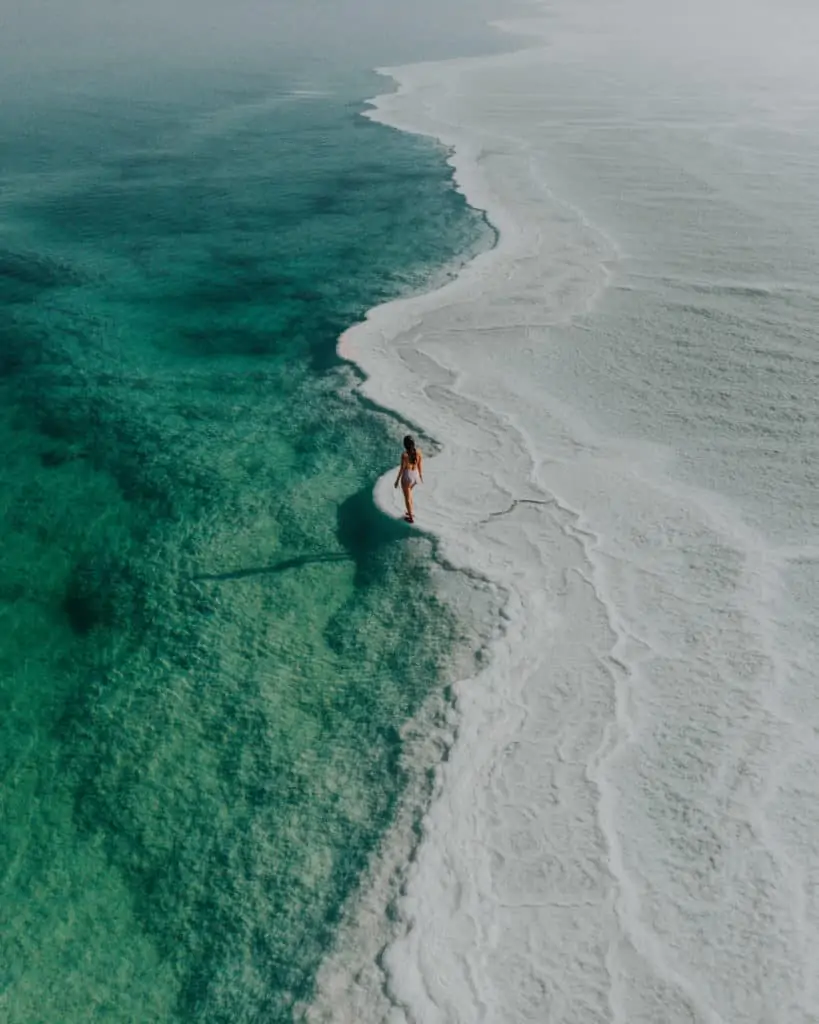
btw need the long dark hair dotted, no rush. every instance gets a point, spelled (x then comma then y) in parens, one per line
(412, 452)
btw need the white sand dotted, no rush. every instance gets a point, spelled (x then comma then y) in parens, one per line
(608, 842)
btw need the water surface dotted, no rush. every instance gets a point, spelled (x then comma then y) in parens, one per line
(208, 636)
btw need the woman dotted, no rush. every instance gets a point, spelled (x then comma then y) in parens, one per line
(410, 472)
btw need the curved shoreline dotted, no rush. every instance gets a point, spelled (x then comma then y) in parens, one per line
(511, 628)
(372, 921)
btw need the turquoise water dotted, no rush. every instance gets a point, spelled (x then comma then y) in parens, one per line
(209, 638)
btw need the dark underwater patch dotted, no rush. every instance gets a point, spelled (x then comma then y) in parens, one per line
(32, 272)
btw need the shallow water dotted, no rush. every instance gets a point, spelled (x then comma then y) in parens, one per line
(209, 635)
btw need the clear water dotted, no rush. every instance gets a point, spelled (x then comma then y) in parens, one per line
(208, 635)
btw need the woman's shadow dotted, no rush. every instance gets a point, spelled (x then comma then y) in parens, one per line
(363, 531)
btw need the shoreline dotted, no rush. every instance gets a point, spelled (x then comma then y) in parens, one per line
(405, 911)
(353, 984)
(385, 976)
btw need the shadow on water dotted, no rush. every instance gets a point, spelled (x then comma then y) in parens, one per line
(366, 533)
(362, 529)
(269, 570)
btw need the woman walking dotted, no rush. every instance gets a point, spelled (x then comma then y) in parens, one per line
(410, 472)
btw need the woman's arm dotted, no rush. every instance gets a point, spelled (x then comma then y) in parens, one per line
(400, 468)
(420, 466)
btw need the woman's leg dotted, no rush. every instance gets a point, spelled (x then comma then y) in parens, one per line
(407, 489)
